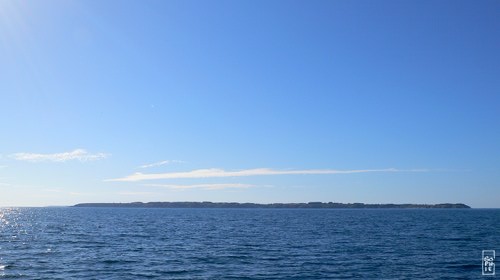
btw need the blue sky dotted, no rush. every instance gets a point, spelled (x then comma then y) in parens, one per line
(249, 101)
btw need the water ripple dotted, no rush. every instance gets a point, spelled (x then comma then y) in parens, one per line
(107, 243)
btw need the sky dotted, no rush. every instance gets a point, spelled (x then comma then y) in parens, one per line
(250, 101)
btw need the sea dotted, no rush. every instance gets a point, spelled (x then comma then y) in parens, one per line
(146, 243)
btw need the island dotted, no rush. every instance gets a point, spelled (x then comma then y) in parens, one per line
(313, 205)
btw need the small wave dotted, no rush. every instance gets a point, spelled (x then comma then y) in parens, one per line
(465, 266)
(457, 239)
(2, 267)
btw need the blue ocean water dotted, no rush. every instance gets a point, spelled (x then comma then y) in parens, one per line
(132, 243)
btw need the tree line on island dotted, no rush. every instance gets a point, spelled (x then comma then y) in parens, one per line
(315, 205)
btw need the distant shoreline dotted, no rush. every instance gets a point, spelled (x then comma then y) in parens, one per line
(309, 205)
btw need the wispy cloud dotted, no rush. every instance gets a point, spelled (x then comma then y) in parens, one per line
(160, 163)
(60, 191)
(219, 173)
(78, 154)
(53, 190)
(202, 186)
(137, 193)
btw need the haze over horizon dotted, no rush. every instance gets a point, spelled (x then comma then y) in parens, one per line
(250, 101)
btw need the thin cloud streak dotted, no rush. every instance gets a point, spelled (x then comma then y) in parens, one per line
(160, 163)
(137, 193)
(60, 191)
(220, 173)
(202, 186)
(78, 154)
